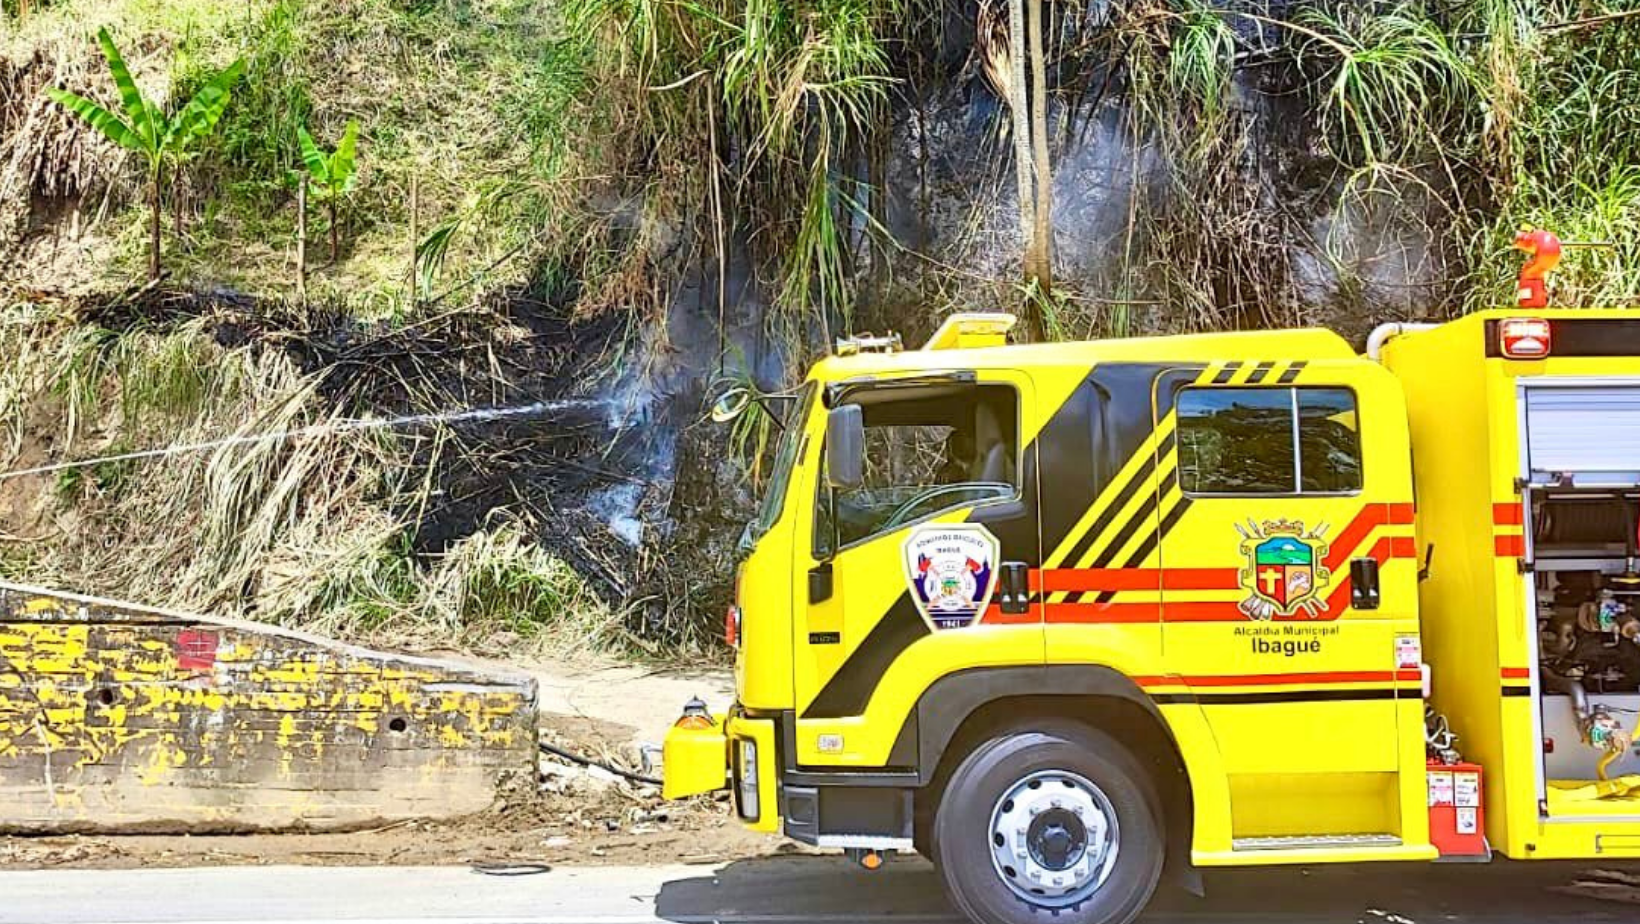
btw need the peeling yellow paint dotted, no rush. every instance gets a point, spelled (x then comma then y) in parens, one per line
(201, 717)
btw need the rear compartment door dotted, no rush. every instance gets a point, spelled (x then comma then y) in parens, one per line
(1280, 477)
(1587, 430)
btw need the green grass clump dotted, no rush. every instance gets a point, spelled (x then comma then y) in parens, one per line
(495, 583)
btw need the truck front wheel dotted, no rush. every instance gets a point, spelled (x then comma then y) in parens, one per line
(1050, 824)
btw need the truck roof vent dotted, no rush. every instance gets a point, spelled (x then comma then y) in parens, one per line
(969, 329)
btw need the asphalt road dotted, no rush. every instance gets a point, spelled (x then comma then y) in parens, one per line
(794, 890)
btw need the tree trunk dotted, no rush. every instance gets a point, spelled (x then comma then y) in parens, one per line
(415, 235)
(1042, 232)
(335, 247)
(877, 183)
(154, 211)
(1021, 124)
(301, 239)
(176, 200)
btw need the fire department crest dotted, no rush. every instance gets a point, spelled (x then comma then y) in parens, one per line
(951, 570)
(1285, 570)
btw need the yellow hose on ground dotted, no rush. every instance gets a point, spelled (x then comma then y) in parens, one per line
(1565, 791)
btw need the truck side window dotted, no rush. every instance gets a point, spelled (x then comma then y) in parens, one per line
(1329, 441)
(1250, 441)
(928, 450)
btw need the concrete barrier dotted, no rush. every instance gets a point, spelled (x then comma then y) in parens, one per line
(116, 717)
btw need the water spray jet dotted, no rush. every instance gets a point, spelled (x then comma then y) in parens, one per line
(334, 428)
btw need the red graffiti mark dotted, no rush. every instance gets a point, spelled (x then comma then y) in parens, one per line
(196, 649)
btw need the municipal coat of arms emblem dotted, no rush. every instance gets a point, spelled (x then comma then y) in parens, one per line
(1286, 570)
(951, 569)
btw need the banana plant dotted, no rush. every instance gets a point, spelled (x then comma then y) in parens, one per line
(146, 129)
(332, 174)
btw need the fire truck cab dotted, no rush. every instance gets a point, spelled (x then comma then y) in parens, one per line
(1067, 617)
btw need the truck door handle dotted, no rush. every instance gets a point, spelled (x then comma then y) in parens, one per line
(1364, 583)
(1013, 590)
(820, 582)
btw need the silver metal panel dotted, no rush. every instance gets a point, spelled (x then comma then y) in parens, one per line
(1574, 760)
(864, 842)
(1584, 428)
(1315, 842)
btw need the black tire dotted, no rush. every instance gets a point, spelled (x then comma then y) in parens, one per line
(962, 836)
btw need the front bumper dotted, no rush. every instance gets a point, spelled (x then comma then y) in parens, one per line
(735, 753)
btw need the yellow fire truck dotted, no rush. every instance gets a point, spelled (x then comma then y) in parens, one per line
(1067, 618)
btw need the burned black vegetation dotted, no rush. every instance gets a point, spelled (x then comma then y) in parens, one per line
(511, 410)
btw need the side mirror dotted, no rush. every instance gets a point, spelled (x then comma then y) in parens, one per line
(845, 448)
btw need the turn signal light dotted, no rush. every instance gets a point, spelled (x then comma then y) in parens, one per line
(1524, 338)
(694, 716)
(731, 626)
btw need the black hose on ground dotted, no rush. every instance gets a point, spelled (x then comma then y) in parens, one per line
(583, 761)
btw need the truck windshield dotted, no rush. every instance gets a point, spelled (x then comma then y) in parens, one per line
(785, 458)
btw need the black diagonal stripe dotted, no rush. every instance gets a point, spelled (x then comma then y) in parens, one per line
(1169, 520)
(849, 690)
(1148, 544)
(1103, 522)
(1291, 373)
(1084, 446)
(1108, 554)
(1259, 372)
(1227, 373)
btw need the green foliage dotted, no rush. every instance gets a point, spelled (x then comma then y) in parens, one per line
(1201, 60)
(491, 582)
(1563, 152)
(751, 436)
(1393, 78)
(332, 173)
(805, 83)
(105, 480)
(258, 138)
(142, 129)
(173, 377)
(518, 586)
(81, 363)
(199, 116)
(375, 591)
(147, 129)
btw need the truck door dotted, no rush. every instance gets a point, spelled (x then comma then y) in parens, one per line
(1285, 498)
(903, 573)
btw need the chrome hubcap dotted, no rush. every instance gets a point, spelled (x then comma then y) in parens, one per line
(1054, 838)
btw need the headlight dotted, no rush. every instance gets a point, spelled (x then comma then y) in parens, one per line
(749, 808)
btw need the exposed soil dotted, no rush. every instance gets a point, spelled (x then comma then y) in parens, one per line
(556, 829)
